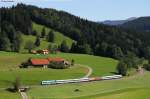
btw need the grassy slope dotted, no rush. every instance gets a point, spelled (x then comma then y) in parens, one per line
(135, 87)
(44, 44)
(59, 37)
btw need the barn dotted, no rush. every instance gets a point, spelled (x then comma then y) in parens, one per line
(39, 63)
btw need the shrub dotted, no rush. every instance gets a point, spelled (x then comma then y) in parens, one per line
(72, 62)
(58, 65)
(122, 68)
(147, 66)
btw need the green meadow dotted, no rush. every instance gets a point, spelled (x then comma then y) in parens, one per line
(9, 69)
(58, 38)
(4, 94)
(134, 87)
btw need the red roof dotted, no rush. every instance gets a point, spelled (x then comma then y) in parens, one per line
(39, 61)
(55, 59)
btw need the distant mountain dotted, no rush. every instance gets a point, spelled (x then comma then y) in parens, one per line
(141, 24)
(117, 22)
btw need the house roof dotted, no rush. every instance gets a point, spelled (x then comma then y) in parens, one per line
(55, 59)
(39, 61)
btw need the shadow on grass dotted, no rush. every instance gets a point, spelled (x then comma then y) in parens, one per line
(11, 90)
(115, 73)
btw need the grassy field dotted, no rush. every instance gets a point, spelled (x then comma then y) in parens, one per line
(10, 61)
(8, 95)
(35, 75)
(59, 37)
(9, 69)
(100, 65)
(134, 87)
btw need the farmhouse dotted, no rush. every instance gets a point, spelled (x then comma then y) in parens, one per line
(55, 59)
(39, 63)
(44, 62)
(58, 60)
(45, 51)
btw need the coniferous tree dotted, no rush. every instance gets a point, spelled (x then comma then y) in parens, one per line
(73, 48)
(5, 44)
(64, 47)
(43, 33)
(117, 53)
(50, 36)
(17, 41)
(34, 32)
(29, 45)
(37, 41)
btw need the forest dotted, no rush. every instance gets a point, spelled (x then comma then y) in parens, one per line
(91, 37)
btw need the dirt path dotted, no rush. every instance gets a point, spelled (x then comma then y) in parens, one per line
(24, 95)
(90, 71)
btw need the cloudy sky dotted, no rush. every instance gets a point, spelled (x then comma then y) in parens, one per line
(96, 10)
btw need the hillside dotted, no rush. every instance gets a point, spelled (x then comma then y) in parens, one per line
(59, 37)
(92, 38)
(141, 24)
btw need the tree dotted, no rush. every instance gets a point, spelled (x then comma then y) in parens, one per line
(29, 45)
(73, 48)
(43, 33)
(147, 52)
(87, 49)
(17, 41)
(132, 60)
(72, 62)
(5, 44)
(147, 67)
(55, 49)
(122, 68)
(103, 49)
(37, 41)
(17, 84)
(50, 37)
(117, 53)
(64, 47)
(50, 47)
(34, 32)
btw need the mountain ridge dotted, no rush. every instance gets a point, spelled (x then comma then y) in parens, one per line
(117, 22)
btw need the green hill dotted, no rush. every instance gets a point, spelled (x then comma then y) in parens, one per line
(59, 37)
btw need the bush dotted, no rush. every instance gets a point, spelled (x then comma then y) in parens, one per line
(147, 66)
(122, 68)
(58, 65)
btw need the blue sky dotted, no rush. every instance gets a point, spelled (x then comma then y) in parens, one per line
(96, 10)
